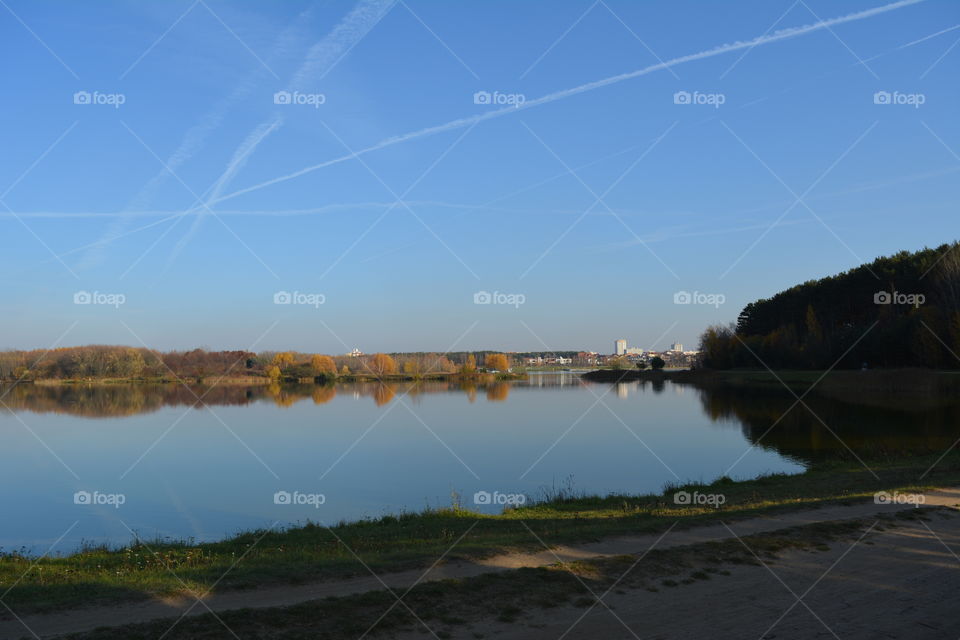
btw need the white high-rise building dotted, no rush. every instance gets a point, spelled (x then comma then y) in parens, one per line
(676, 346)
(620, 347)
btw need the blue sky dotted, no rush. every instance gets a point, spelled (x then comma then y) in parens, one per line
(400, 197)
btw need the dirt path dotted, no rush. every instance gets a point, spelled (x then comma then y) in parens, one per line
(899, 584)
(51, 625)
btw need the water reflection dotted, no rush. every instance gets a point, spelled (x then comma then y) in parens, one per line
(831, 427)
(771, 419)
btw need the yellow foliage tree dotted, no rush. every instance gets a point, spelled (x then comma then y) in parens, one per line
(323, 365)
(497, 361)
(412, 368)
(283, 359)
(381, 365)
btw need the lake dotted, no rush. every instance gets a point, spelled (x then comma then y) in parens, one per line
(96, 464)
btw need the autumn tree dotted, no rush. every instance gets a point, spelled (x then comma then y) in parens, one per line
(323, 365)
(412, 367)
(381, 365)
(283, 359)
(469, 366)
(418, 364)
(497, 362)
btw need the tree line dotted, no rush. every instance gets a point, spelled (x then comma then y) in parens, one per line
(123, 362)
(897, 311)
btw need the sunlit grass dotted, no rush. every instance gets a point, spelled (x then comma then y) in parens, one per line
(313, 551)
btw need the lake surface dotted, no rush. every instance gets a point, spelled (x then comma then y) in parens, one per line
(145, 459)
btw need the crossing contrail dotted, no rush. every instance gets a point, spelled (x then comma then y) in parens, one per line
(776, 36)
(321, 58)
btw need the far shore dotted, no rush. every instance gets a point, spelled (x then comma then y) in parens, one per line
(265, 380)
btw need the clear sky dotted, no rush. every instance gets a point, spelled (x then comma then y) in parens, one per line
(623, 152)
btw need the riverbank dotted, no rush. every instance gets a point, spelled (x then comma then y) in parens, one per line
(553, 588)
(160, 569)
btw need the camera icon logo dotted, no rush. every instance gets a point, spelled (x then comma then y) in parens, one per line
(482, 297)
(282, 497)
(882, 297)
(682, 297)
(881, 97)
(681, 97)
(82, 497)
(882, 497)
(81, 97)
(482, 497)
(82, 297)
(681, 497)
(282, 97)
(482, 97)
(282, 297)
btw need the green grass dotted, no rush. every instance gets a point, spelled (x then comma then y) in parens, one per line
(511, 598)
(314, 552)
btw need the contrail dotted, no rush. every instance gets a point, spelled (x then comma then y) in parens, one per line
(193, 141)
(321, 58)
(239, 158)
(776, 36)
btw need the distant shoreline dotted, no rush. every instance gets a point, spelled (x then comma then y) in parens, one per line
(264, 380)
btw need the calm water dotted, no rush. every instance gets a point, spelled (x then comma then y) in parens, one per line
(371, 449)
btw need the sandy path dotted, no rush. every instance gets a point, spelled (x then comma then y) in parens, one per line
(904, 585)
(50, 625)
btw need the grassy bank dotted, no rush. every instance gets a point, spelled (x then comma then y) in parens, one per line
(478, 604)
(315, 552)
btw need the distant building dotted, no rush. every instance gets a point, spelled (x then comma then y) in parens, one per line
(676, 346)
(634, 351)
(587, 358)
(620, 347)
(356, 353)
